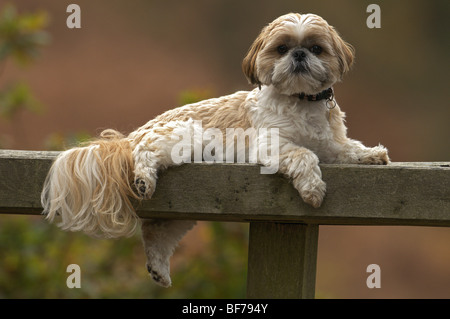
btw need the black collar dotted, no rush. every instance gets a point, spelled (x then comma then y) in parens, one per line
(324, 95)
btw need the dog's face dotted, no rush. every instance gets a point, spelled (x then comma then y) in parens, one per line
(298, 54)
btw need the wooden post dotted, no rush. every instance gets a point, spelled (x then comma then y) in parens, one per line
(282, 260)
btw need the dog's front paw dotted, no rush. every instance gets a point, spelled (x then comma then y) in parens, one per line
(312, 191)
(377, 155)
(160, 273)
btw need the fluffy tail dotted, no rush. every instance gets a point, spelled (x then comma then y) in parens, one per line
(89, 188)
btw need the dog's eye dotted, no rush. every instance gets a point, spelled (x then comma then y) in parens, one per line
(316, 49)
(282, 49)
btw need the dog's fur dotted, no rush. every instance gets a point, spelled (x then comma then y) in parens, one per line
(89, 187)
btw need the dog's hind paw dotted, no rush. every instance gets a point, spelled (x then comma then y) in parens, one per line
(144, 188)
(160, 276)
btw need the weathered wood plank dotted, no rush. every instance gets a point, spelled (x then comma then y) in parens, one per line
(22, 174)
(397, 194)
(282, 260)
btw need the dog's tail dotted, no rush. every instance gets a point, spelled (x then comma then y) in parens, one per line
(89, 188)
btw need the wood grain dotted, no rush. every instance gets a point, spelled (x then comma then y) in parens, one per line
(397, 194)
(282, 260)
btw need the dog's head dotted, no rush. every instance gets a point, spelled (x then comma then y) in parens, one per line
(298, 53)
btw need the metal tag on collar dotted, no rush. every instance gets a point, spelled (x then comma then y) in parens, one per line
(331, 103)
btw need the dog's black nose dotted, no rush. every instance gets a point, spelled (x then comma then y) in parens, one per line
(299, 55)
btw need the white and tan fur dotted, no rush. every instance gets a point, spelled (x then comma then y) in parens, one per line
(89, 187)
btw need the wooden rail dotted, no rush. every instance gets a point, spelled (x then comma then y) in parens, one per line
(283, 230)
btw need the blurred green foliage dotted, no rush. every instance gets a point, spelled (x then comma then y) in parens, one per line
(18, 97)
(22, 36)
(220, 270)
(34, 256)
(59, 141)
(194, 95)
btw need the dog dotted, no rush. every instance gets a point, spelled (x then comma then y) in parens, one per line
(293, 64)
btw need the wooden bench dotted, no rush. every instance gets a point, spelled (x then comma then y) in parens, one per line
(283, 230)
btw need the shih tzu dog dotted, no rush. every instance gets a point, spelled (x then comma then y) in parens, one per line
(294, 63)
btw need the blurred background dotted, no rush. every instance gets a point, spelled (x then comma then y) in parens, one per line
(132, 60)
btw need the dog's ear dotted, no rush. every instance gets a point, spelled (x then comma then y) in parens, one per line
(249, 63)
(344, 51)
